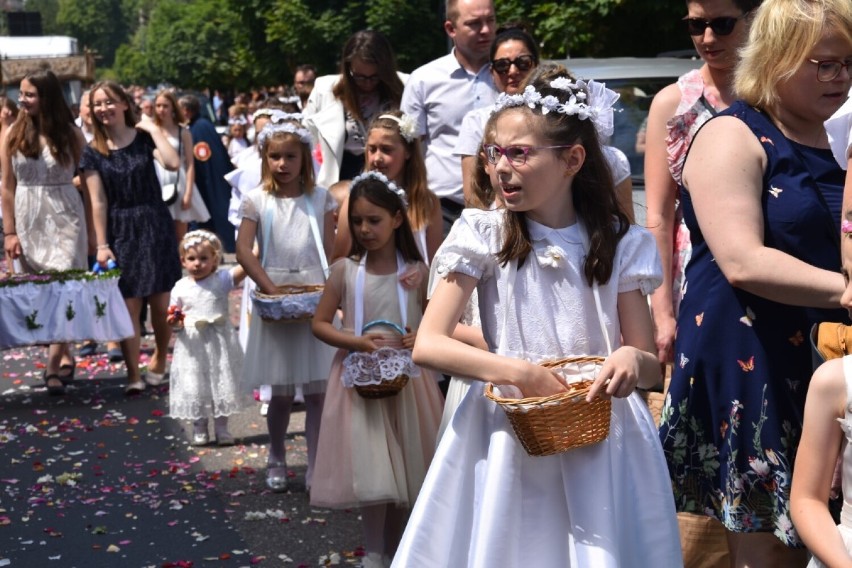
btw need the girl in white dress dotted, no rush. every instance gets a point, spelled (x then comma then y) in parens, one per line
(393, 148)
(373, 453)
(189, 205)
(207, 359)
(544, 293)
(293, 223)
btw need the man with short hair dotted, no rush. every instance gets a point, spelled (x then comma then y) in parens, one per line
(303, 82)
(440, 93)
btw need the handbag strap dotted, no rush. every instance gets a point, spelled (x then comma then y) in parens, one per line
(180, 157)
(360, 279)
(511, 276)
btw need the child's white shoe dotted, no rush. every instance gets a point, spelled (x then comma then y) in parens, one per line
(155, 379)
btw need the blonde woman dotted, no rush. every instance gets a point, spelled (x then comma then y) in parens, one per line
(189, 206)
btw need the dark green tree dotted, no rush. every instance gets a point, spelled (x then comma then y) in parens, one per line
(101, 25)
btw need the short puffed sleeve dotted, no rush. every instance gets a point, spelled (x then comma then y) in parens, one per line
(249, 208)
(471, 245)
(638, 263)
(839, 130)
(618, 164)
(330, 203)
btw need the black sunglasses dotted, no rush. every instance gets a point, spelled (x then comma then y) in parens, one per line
(522, 62)
(720, 26)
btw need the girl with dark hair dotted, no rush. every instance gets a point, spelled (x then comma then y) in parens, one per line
(132, 224)
(44, 222)
(560, 272)
(341, 106)
(373, 453)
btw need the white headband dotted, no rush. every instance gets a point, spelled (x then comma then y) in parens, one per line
(588, 100)
(276, 115)
(288, 127)
(384, 179)
(407, 125)
(200, 236)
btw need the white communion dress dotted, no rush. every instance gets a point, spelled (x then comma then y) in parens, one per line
(485, 502)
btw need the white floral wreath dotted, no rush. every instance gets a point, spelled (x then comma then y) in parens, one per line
(276, 115)
(201, 236)
(587, 100)
(384, 179)
(288, 127)
(407, 125)
(238, 119)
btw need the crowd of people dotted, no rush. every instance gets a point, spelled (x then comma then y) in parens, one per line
(443, 235)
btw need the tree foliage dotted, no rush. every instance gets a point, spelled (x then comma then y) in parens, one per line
(239, 43)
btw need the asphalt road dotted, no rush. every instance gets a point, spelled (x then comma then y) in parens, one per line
(98, 479)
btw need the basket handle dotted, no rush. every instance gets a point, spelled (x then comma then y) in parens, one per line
(376, 323)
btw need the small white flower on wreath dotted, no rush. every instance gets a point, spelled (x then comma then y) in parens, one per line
(553, 257)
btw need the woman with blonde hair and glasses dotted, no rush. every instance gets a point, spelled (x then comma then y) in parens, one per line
(762, 198)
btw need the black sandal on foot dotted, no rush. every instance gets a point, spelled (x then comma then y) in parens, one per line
(53, 390)
(68, 376)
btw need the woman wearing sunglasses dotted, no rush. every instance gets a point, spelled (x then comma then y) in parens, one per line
(718, 28)
(761, 196)
(341, 106)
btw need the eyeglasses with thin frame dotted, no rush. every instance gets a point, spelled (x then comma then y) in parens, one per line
(829, 69)
(522, 62)
(517, 155)
(721, 26)
(358, 78)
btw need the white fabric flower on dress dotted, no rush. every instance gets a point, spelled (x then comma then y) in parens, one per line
(553, 257)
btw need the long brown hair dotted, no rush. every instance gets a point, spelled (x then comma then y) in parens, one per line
(422, 202)
(114, 90)
(177, 113)
(592, 190)
(53, 121)
(374, 48)
(376, 192)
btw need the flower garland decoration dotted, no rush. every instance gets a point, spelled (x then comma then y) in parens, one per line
(288, 127)
(51, 277)
(392, 187)
(276, 115)
(407, 125)
(239, 119)
(587, 101)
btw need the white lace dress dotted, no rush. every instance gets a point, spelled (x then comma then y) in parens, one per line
(197, 210)
(207, 361)
(485, 502)
(49, 216)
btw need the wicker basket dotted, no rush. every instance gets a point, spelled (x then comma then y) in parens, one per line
(386, 388)
(555, 424)
(292, 303)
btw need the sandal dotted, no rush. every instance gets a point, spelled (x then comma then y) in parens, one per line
(276, 476)
(53, 390)
(68, 377)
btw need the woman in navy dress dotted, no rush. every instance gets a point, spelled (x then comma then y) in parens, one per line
(762, 202)
(132, 223)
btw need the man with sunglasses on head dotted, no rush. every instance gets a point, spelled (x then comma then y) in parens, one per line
(440, 93)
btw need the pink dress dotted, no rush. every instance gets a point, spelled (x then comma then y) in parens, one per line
(697, 106)
(375, 451)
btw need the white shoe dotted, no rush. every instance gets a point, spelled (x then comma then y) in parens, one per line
(155, 379)
(200, 439)
(135, 387)
(264, 408)
(276, 477)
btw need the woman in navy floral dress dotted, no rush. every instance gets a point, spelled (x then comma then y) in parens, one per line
(132, 223)
(762, 203)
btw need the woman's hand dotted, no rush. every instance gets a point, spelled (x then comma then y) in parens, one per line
(619, 375)
(12, 246)
(147, 126)
(104, 255)
(664, 337)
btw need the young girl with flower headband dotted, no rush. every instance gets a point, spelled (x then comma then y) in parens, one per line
(207, 359)
(293, 223)
(560, 273)
(373, 453)
(237, 140)
(393, 148)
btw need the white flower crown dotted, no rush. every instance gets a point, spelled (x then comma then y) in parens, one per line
(291, 100)
(275, 127)
(239, 119)
(588, 100)
(407, 125)
(384, 179)
(276, 115)
(201, 236)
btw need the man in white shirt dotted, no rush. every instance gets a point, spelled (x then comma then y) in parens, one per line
(440, 93)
